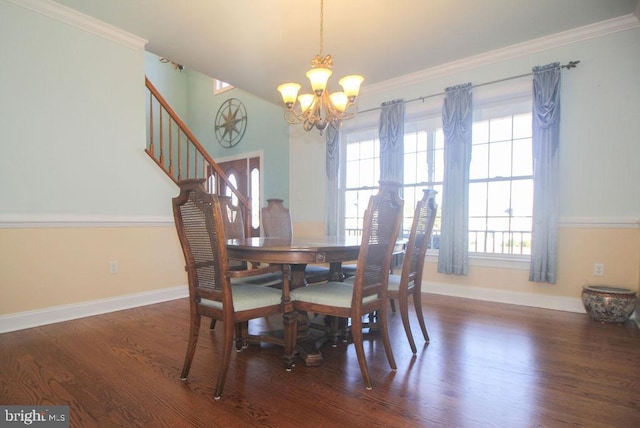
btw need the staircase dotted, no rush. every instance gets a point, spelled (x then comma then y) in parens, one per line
(175, 149)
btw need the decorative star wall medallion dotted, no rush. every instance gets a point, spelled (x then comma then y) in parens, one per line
(231, 122)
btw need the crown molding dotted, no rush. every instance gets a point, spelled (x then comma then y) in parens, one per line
(575, 35)
(83, 22)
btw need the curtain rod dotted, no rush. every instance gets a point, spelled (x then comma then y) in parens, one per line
(568, 66)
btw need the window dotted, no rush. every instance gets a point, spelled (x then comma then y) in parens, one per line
(219, 86)
(500, 185)
(362, 172)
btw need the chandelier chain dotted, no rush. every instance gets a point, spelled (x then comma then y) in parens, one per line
(321, 27)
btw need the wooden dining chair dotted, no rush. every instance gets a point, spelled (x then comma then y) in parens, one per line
(276, 219)
(214, 290)
(276, 222)
(270, 276)
(368, 293)
(409, 282)
(234, 228)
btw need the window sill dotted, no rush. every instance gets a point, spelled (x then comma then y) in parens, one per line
(488, 260)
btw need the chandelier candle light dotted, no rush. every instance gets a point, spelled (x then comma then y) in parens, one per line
(321, 108)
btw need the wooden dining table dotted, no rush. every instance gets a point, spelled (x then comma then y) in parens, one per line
(297, 253)
(294, 254)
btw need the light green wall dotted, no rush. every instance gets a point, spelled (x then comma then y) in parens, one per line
(190, 93)
(266, 131)
(73, 124)
(171, 83)
(600, 126)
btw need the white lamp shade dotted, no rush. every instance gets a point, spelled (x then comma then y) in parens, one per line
(351, 85)
(289, 92)
(318, 78)
(306, 101)
(339, 101)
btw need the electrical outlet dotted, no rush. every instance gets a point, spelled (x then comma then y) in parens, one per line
(113, 266)
(598, 269)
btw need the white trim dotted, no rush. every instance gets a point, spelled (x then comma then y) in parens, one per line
(55, 314)
(17, 221)
(83, 22)
(575, 35)
(14, 221)
(601, 222)
(544, 301)
(500, 261)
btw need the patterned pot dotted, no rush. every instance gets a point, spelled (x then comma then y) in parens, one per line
(608, 304)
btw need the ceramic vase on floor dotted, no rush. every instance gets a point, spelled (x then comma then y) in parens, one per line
(608, 304)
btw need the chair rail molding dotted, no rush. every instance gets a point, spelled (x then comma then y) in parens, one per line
(600, 222)
(17, 221)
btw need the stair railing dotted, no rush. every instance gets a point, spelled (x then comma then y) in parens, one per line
(174, 148)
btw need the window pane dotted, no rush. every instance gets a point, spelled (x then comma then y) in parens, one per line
(410, 143)
(498, 198)
(422, 142)
(480, 132)
(367, 173)
(410, 170)
(500, 159)
(234, 183)
(353, 175)
(497, 224)
(522, 126)
(353, 152)
(478, 223)
(500, 129)
(479, 161)
(422, 171)
(522, 157)
(255, 198)
(478, 199)
(438, 176)
(367, 149)
(522, 198)
(521, 224)
(439, 139)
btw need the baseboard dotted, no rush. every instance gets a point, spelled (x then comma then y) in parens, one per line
(543, 301)
(29, 319)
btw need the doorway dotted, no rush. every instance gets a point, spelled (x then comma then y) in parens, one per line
(245, 175)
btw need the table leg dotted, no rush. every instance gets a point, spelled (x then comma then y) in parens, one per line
(335, 272)
(309, 339)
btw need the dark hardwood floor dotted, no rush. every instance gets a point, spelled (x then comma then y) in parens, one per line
(488, 364)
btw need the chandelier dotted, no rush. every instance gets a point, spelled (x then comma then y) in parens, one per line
(321, 108)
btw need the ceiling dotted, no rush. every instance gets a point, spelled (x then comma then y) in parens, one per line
(258, 44)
